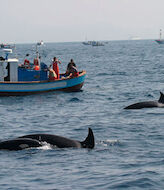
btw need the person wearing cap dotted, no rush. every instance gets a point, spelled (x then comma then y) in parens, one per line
(56, 67)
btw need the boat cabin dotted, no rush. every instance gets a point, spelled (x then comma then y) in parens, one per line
(12, 71)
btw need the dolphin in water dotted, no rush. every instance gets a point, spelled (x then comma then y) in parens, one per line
(37, 140)
(19, 144)
(148, 104)
(62, 142)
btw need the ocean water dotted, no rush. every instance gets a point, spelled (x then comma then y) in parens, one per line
(129, 150)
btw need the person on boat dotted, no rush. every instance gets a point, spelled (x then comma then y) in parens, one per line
(27, 62)
(36, 61)
(36, 64)
(56, 66)
(7, 78)
(52, 74)
(73, 72)
(70, 64)
(72, 69)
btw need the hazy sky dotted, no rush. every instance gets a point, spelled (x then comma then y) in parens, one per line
(74, 20)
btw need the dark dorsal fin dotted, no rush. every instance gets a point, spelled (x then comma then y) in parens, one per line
(89, 142)
(161, 99)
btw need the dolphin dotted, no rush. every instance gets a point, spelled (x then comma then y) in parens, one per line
(62, 142)
(148, 104)
(19, 144)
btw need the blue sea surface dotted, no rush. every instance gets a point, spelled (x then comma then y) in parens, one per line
(129, 150)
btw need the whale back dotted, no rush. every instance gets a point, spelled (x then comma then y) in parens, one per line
(140, 105)
(54, 140)
(62, 142)
(148, 104)
(19, 144)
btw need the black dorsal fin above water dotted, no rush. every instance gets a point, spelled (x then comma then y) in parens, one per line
(89, 142)
(161, 99)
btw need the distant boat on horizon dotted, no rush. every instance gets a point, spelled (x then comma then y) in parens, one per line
(160, 40)
(93, 43)
(87, 43)
(96, 43)
(7, 46)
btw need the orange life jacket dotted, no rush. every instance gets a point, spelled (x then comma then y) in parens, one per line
(36, 68)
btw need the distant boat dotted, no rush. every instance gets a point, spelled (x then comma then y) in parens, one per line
(160, 40)
(7, 46)
(40, 43)
(96, 43)
(93, 43)
(87, 43)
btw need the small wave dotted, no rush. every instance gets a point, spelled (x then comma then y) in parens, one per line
(136, 183)
(103, 74)
(149, 95)
(109, 98)
(119, 73)
(109, 142)
(45, 146)
(74, 100)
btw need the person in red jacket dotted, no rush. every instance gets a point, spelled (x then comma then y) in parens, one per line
(36, 64)
(27, 62)
(55, 67)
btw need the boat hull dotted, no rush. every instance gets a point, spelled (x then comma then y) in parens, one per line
(27, 88)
